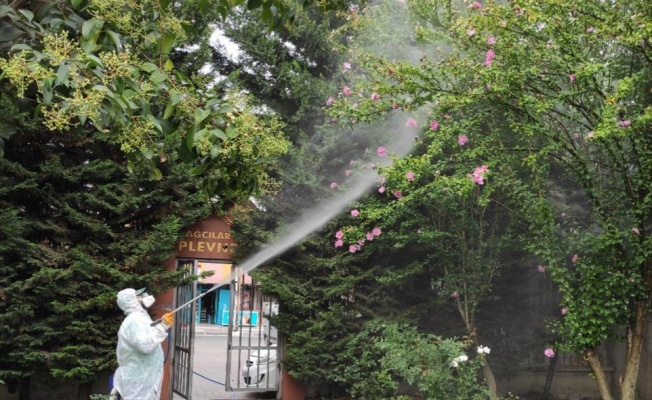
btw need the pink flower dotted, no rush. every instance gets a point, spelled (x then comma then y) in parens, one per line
(339, 243)
(419, 231)
(360, 243)
(398, 194)
(624, 123)
(346, 66)
(572, 77)
(375, 96)
(410, 176)
(347, 172)
(394, 105)
(455, 294)
(478, 174)
(489, 58)
(564, 311)
(382, 180)
(541, 268)
(355, 212)
(382, 151)
(346, 91)
(575, 258)
(381, 189)
(339, 234)
(491, 41)
(549, 352)
(369, 236)
(475, 5)
(590, 29)
(462, 139)
(434, 125)
(330, 101)
(636, 230)
(411, 123)
(471, 32)
(376, 231)
(333, 185)
(353, 248)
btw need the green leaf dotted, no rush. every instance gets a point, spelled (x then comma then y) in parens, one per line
(201, 115)
(203, 5)
(76, 4)
(28, 14)
(165, 43)
(62, 72)
(91, 29)
(158, 77)
(169, 110)
(253, 4)
(20, 46)
(116, 39)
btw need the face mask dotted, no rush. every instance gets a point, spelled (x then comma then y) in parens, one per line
(148, 300)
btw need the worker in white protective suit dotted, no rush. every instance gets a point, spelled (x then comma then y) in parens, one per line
(140, 356)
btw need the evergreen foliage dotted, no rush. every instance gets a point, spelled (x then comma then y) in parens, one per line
(76, 228)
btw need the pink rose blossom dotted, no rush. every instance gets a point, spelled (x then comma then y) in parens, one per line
(549, 352)
(411, 123)
(339, 234)
(334, 185)
(346, 91)
(398, 194)
(624, 123)
(369, 236)
(353, 248)
(382, 151)
(330, 101)
(455, 294)
(491, 41)
(347, 172)
(394, 105)
(636, 230)
(541, 268)
(355, 212)
(419, 231)
(434, 125)
(346, 66)
(572, 78)
(475, 5)
(381, 189)
(590, 29)
(489, 58)
(376, 231)
(471, 32)
(410, 176)
(462, 139)
(360, 243)
(564, 311)
(575, 258)
(339, 243)
(375, 96)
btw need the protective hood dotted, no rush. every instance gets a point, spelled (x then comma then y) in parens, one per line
(128, 301)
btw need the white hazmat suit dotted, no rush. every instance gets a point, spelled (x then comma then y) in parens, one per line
(140, 356)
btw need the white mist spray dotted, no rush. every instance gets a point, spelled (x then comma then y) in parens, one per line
(401, 142)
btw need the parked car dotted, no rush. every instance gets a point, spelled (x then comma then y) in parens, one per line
(260, 369)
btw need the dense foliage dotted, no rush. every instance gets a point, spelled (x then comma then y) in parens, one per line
(549, 100)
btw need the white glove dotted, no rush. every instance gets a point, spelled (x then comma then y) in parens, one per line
(114, 394)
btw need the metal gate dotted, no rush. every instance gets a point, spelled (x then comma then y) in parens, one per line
(184, 331)
(252, 340)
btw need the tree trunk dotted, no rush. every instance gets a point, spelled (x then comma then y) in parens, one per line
(491, 379)
(635, 338)
(24, 389)
(84, 391)
(598, 372)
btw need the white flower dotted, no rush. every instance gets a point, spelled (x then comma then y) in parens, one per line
(459, 359)
(483, 350)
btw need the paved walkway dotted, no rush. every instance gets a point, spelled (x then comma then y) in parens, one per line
(209, 367)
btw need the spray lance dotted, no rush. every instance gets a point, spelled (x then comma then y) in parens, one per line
(158, 321)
